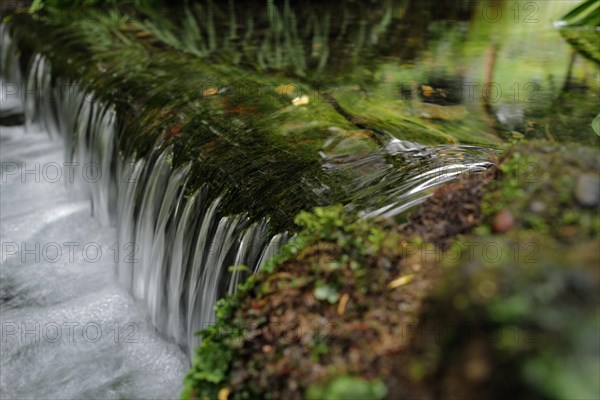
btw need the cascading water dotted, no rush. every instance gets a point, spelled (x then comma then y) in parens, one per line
(174, 246)
(180, 273)
(69, 331)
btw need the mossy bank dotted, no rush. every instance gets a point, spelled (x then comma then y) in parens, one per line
(489, 290)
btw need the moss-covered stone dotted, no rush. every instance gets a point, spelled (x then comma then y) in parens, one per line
(298, 321)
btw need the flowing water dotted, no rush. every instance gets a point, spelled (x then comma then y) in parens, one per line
(174, 250)
(106, 277)
(68, 329)
(126, 269)
(80, 329)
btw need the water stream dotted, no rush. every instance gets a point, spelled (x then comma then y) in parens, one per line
(125, 265)
(110, 265)
(69, 330)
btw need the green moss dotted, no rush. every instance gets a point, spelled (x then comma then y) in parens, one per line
(236, 126)
(525, 299)
(357, 238)
(348, 388)
(238, 141)
(532, 304)
(538, 188)
(231, 124)
(212, 359)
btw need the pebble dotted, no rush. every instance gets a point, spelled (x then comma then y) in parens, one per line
(538, 206)
(267, 349)
(587, 191)
(503, 221)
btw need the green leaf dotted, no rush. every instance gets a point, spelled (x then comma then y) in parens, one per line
(36, 6)
(596, 124)
(326, 292)
(588, 8)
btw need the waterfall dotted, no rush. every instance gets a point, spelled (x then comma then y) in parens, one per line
(173, 246)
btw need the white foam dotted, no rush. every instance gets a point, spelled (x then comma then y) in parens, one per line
(77, 297)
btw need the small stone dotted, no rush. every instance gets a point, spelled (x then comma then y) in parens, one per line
(587, 191)
(267, 349)
(538, 206)
(503, 221)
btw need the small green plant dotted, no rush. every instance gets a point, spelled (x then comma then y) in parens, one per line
(517, 171)
(323, 291)
(348, 388)
(357, 238)
(211, 361)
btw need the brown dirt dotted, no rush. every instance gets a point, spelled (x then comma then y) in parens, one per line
(454, 209)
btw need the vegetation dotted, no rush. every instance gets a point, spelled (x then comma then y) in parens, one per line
(488, 290)
(202, 128)
(580, 28)
(224, 118)
(532, 172)
(38, 5)
(494, 310)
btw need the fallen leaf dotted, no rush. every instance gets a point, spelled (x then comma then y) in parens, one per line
(223, 394)
(210, 91)
(427, 90)
(301, 100)
(401, 281)
(285, 89)
(342, 304)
